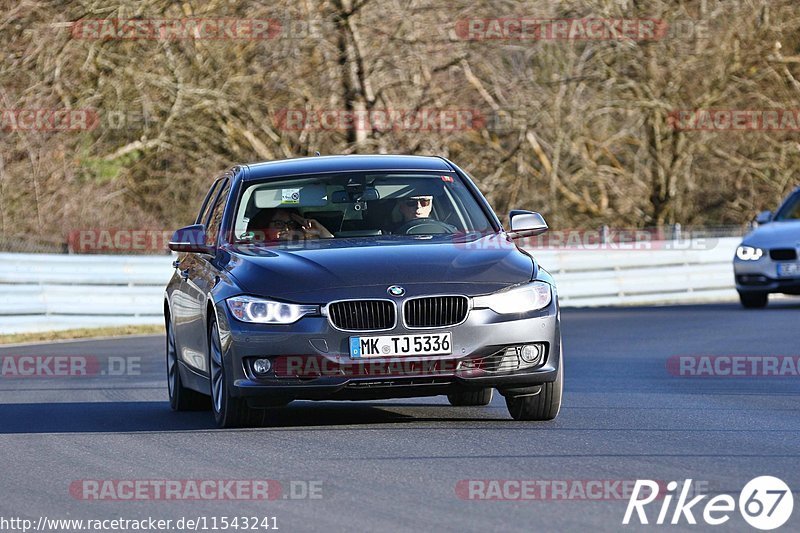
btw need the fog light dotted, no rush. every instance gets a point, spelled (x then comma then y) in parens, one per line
(262, 366)
(531, 353)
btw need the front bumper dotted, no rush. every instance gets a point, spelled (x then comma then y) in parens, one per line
(477, 346)
(762, 276)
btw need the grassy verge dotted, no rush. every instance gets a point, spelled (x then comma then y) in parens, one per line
(81, 333)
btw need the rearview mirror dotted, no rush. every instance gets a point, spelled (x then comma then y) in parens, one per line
(190, 239)
(355, 194)
(764, 217)
(526, 224)
(370, 194)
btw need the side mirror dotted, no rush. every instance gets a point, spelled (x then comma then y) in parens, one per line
(764, 217)
(526, 224)
(190, 239)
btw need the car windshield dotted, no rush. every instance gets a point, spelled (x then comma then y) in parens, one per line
(790, 210)
(336, 206)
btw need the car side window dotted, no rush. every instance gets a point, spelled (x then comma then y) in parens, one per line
(790, 210)
(215, 217)
(208, 202)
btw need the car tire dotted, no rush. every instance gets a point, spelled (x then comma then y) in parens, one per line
(180, 397)
(478, 397)
(543, 406)
(229, 411)
(753, 300)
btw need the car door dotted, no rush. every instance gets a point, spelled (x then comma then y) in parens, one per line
(198, 276)
(181, 308)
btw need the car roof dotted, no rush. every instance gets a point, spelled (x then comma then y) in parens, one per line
(344, 163)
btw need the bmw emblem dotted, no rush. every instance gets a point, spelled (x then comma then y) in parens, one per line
(396, 290)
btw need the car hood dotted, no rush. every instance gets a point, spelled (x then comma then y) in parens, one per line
(784, 234)
(328, 270)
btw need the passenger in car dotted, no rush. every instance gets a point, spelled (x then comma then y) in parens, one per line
(285, 224)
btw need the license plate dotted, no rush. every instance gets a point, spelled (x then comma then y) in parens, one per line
(394, 345)
(788, 269)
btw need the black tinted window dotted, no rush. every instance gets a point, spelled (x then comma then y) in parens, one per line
(202, 216)
(213, 225)
(790, 210)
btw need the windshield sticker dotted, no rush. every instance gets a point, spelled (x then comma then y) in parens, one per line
(290, 196)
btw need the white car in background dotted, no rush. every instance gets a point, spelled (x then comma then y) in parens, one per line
(767, 259)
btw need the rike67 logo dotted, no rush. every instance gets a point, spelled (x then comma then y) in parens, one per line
(765, 503)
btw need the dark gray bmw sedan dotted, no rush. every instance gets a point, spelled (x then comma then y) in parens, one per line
(357, 278)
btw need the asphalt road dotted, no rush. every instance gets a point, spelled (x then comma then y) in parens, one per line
(396, 465)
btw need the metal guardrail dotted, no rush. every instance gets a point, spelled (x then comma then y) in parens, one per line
(81, 285)
(662, 272)
(91, 290)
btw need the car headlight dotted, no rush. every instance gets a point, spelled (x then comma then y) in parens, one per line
(749, 253)
(529, 297)
(249, 309)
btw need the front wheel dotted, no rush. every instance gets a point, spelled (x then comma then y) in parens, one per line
(229, 411)
(753, 300)
(542, 406)
(180, 397)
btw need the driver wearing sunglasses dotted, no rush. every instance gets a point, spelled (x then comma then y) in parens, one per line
(416, 207)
